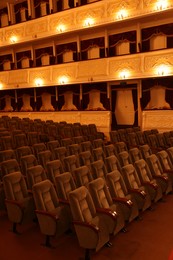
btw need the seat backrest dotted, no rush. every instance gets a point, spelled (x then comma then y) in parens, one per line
(82, 176)
(130, 176)
(64, 184)
(170, 152)
(81, 204)
(45, 196)
(27, 161)
(54, 168)
(140, 138)
(154, 164)
(112, 163)
(145, 150)
(98, 154)
(120, 147)
(34, 175)
(44, 157)
(100, 193)
(143, 170)
(114, 136)
(135, 154)
(9, 166)
(124, 158)
(51, 145)
(86, 146)
(15, 186)
(7, 155)
(60, 153)
(22, 151)
(71, 163)
(20, 140)
(110, 150)
(40, 147)
(165, 160)
(99, 169)
(116, 184)
(86, 158)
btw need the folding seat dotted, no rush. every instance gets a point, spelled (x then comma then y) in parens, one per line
(93, 131)
(71, 163)
(153, 143)
(23, 151)
(19, 204)
(132, 140)
(82, 176)
(124, 158)
(44, 157)
(60, 153)
(54, 168)
(167, 136)
(120, 147)
(129, 130)
(112, 163)
(102, 200)
(33, 138)
(166, 163)
(146, 178)
(64, 185)
(134, 186)
(52, 132)
(99, 169)
(135, 154)
(140, 138)
(9, 166)
(136, 128)
(26, 162)
(98, 143)
(12, 124)
(90, 227)
(39, 147)
(66, 142)
(86, 158)
(145, 151)
(110, 150)
(35, 174)
(170, 153)
(77, 130)
(98, 154)
(121, 196)
(68, 132)
(87, 146)
(146, 133)
(85, 130)
(53, 219)
(20, 140)
(51, 145)
(79, 139)
(7, 143)
(7, 155)
(123, 135)
(74, 149)
(157, 172)
(161, 141)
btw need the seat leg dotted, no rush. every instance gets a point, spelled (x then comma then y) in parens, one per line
(47, 242)
(87, 254)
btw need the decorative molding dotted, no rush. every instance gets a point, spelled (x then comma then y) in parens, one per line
(42, 73)
(153, 61)
(17, 78)
(92, 68)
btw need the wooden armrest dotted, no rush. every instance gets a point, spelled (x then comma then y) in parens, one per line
(14, 202)
(125, 201)
(107, 212)
(152, 185)
(46, 213)
(86, 224)
(165, 178)
(138, 191)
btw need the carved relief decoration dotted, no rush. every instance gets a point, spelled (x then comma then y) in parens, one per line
(115, 6)
(153, 61)
(96, 13)
(92, 68)
(43, 74)
(68, 71)
(16, 31)
(32, 29)
(4, 77)
(17, 78)
(67, 20)
(133, 65)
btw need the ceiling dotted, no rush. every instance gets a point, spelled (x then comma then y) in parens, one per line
(3, 3)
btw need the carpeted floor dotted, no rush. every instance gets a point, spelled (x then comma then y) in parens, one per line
(148, 239)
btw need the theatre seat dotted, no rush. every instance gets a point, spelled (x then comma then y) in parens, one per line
(102, 200)
(53, 219)
(134, 186)
(91, 230)
(9, 166)
(27, 161)
(120, 195)
(135, 154)
(99, 169)
(35, 174)
(54, 168)
(86, 158)
(20, 205)
(82, 176)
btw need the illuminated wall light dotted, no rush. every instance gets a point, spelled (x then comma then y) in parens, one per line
(124, 74)
(89, 22)
(162, 70)
(63, 80)
(122, 14)
(61, 28)
(1, 85)
(13, 39)
(161, 5)
(38, 82)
